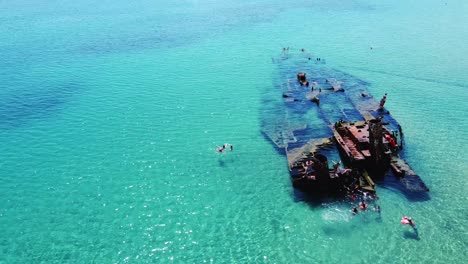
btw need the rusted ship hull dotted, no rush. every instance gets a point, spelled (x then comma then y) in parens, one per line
(297, 118)
(356, 149)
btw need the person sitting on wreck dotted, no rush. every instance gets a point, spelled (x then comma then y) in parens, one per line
(336, 166)
(307, 166)
(339, 123)
(337, 171)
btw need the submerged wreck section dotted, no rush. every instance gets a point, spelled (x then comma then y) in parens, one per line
(313, 108)
(406, 175)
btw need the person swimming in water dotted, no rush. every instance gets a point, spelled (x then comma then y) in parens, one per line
(354, 211)
(221, 149)
(409, 221)
(227, 145)
(376, 208)
(362, 205)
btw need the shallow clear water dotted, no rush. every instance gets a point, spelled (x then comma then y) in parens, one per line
(110, 113)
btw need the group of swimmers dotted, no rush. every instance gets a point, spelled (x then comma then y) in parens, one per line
(285, 50)
(224, 147)
(355, 192)
(363, 206)
(316, 59)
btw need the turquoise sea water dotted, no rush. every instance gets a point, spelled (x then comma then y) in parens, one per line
(110, 113)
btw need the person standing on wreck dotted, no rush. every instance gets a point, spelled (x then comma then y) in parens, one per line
(382, 101)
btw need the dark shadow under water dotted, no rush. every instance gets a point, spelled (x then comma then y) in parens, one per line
(411, 235)
(17, 109)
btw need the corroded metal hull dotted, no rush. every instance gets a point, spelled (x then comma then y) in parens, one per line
(300, 120)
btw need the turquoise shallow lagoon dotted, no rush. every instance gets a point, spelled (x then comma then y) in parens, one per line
(110, 113)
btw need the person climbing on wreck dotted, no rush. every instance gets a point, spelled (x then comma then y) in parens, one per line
(391, 141)
(336, 165)
(308, 167)
(382, 102)
(339, 123)
(337, 171)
